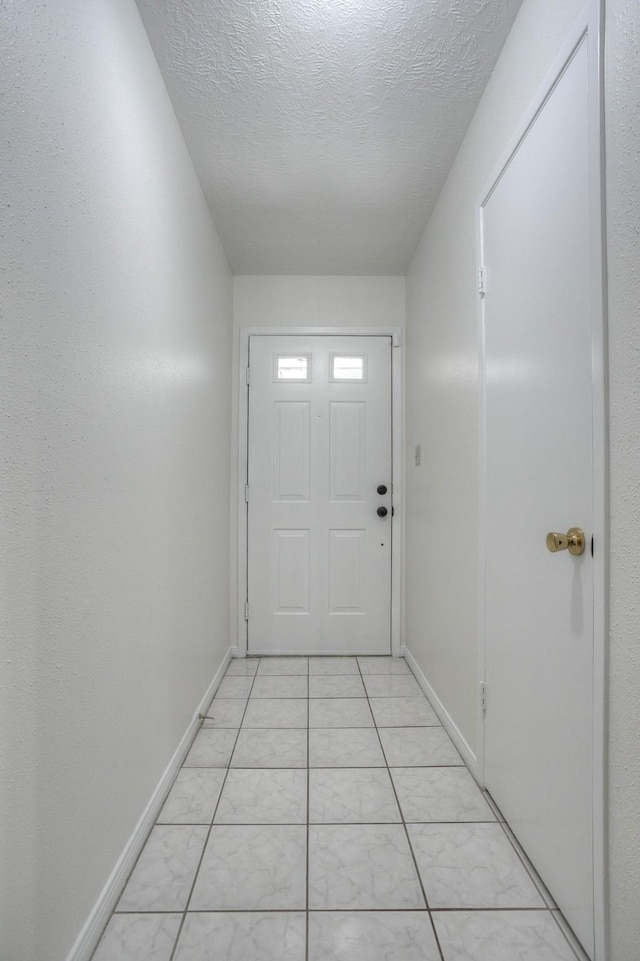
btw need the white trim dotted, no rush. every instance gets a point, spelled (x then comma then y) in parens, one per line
(589, 27)
(600, 486)
(450, 726)
(482, 510)
(395, 333)
(90, 935)
(546, 88)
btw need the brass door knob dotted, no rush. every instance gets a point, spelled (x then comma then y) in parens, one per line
(573, 541)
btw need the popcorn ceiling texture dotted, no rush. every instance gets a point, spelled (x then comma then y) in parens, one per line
(322, 131)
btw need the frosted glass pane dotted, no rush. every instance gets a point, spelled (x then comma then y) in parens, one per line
(292, 368)
(347, 368)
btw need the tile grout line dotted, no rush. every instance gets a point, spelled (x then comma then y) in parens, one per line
(404, 824)
(213, 816)
(549, 904)
(521, 855)
(155, 824)
(293, 824)
(523, 859)
(549, 901)
(467, 910)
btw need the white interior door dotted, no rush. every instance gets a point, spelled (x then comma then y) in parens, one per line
(539, 449)
(319, 553)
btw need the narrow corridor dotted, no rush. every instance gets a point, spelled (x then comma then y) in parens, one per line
(323, 814)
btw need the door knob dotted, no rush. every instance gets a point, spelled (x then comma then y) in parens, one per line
(382, 488)
(573, 541)
(382, 512)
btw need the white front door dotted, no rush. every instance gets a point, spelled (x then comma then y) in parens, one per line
(319, 495)
(539, 310)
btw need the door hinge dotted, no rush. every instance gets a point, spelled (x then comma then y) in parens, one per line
(246, 610)
(483, 697)
(482, 280)
(248, 375)
(246, 493)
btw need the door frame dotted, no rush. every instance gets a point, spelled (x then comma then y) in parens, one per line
(395, 335)
(590, 23)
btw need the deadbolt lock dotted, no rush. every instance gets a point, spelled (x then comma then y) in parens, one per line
(573, 541)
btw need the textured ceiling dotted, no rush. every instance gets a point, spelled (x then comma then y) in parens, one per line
(322, 130)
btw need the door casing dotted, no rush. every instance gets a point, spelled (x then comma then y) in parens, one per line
(396, 464)
(591, 22)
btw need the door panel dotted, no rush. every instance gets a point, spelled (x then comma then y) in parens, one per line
(319, 556)
(291, 438)
(348, 451)
(291, 571)
(538, 408)
(347, 565)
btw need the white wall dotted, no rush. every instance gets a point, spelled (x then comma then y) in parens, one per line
(441, 382)
(441, 507)
(115, 398)
(318, 301)
(297, 301)
(622, 103)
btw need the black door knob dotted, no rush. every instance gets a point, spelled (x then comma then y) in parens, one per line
(382, 489)
(382, 512)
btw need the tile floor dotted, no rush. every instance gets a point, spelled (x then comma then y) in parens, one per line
(323, 814)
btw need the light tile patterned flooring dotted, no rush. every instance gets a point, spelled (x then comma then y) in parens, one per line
(323, 814)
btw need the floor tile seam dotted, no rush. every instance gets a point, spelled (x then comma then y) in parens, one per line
(206, 841)
(492, 804)
(213, 911)
(278, 696)
(313, 823)
(155, 824)
(383, 727)
(257, 674)
(271, 767)
(440, 910)
(148, 835)
(364, 767)
(360, 767)
(332, 674)
(406, 832)
(456, 823)
(528, 866)
(492, 910)
(540, 886)
(389, 697)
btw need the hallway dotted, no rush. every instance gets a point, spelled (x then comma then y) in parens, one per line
(179, 178)
(323, 814)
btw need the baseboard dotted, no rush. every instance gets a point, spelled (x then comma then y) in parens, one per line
(452, 729)
(318, 652)
(91, 933)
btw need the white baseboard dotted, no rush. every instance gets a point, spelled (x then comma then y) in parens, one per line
(452, 729)
(87, 940)
(318, 652)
